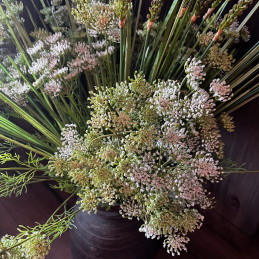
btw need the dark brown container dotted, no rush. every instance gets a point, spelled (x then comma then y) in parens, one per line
(106, 235)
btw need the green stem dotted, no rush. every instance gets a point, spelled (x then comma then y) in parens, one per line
(161, 39)
(70, 15)
(172, 48)
(108, 58)
(179, 70)
(162, 51)
(61, 206)
(39, 15)
(72, 100)
(18, 45)
(206, 51)
(41, 116)
(144, 51)
(45, 154)
(136, 25)
(128, 47)
(40, 232)
(176, 63)
(21, 169)
(222, 9)
(121, 54)
(89, 85)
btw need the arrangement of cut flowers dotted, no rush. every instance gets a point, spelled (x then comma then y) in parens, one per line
(117, 108)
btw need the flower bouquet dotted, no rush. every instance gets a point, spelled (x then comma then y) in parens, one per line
(123, 109)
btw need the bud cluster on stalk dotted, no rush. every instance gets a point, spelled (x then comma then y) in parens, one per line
(154, 11)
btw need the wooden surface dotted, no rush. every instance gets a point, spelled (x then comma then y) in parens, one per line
(40, 202)
(238, 194)
(34, 206)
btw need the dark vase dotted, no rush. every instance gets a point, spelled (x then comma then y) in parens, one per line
(106, 235)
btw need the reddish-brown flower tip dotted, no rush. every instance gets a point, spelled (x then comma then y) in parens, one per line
(122, 22)
(217, 35)
(183, 11)
(194, 18)
(149, 25)
(209, 12)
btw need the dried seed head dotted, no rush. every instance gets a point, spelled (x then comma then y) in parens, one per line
(97, 15)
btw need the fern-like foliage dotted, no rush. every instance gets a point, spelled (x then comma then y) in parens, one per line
(34, 242)
(15, 184)
(230, 167)
(6, 147)
(14, 180)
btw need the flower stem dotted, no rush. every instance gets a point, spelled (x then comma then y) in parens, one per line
(121, 54)
(144, 51)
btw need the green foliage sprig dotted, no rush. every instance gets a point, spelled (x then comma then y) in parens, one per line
(6, 147)
(34, 242)
(16, 180)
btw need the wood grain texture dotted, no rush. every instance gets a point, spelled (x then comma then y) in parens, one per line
(34, 206)
(238, 194)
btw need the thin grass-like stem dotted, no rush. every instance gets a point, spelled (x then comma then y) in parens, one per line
(121, 54)
(144, 54)
(136, 25)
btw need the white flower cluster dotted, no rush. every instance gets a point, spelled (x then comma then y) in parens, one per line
(194, 73)
(53, 87)
(84, 59)
(151, 147)
(13, 85)
(220, 90)
(52, 66)
(17, 91)
(37, 247)
(71, 141)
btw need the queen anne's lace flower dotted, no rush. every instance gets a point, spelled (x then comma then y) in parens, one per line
(194, 73)
(52, 66)
(53, 88)
(220, 90)
(175, 244)
(70, 141)
(220, 60)
(37, 247)
(227, 122)
(51, 39)
(99, 16)
(39, 65)
(156, 165)
(60, 48)
(36, 48)
(17, 91)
